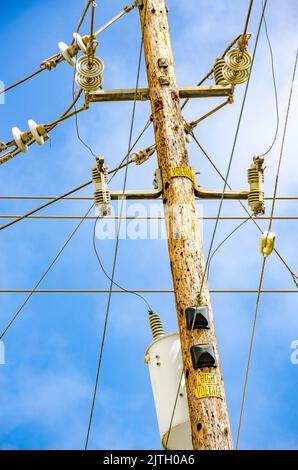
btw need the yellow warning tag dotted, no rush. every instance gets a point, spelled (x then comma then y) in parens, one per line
(185, 171)
(208, 386)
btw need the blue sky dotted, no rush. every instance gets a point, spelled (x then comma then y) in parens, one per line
(51, 350)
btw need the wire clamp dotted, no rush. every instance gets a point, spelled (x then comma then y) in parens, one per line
(143, 155)
(51, 62)
(267, 243)
(3, 146)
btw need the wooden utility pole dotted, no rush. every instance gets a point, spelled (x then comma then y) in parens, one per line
(206, 397)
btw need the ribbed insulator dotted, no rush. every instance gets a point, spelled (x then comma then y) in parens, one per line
(256, 193)
(237, 60)
(89, 75)
(235, 77)
(102, 197)
(87, 69)
(217, 72)
(88, 83)
(255, 197)
(95, 173)
(156, 326)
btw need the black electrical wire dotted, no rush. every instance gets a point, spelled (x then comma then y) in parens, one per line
(293, 275)
(256, 313)
(224, 241)
(105, 272)
(53, 262)
(275, 135)
(113, 172)
(274, 86)
(43, 67)
(117, 244)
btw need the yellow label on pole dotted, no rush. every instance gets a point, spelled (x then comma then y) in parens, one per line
(208, 386)
(184, 171)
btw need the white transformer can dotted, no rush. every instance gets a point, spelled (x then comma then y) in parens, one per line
(164, 359)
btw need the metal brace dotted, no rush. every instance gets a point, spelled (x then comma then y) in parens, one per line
(189, 173)
(142, 193)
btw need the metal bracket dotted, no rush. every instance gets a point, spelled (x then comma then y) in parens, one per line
(142, 94)
(189, 173)
(216, 194)
(142, 193)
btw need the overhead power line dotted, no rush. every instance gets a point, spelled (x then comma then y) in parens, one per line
(256, 313)
(274, 86)
(139, 291)
(253, 219)
(51, 62)
(15, 316)
(276, 130)
(29, 215)
(35, 289)
(48, 127)
(18, 218)
(89, 198)
(117, 241)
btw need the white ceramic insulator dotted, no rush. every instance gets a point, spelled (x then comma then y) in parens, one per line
(188, 138)
(79, 42)
(39, 139)
(63, 48)
(17, 135)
